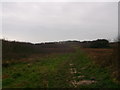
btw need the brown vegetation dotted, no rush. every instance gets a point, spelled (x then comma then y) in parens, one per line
(98, 54)
(17, 50)
(106, 58)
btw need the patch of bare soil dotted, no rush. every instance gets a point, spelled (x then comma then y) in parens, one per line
(81, 80)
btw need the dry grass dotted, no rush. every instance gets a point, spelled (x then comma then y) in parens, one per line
(105, 58)
(101, 57)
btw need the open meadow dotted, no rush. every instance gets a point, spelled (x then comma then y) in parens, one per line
(59, 44)
(75, 68)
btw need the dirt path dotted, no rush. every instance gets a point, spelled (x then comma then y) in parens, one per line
(78, 80)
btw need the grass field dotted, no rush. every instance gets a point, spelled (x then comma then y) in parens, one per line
(57, 70)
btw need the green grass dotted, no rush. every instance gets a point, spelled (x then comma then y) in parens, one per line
(101, 75)
(53, 72)
(48, 72)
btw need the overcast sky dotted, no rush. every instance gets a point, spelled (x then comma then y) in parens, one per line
(56, 21)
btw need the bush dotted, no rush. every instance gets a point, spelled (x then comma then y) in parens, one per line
(100, 43)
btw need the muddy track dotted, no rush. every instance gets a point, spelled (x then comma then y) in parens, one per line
(78, 80)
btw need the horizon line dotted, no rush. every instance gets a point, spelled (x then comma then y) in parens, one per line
(54, 41)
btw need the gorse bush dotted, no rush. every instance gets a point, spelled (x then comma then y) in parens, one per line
(100, 43)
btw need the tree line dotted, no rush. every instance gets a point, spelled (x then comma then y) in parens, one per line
(16, 49)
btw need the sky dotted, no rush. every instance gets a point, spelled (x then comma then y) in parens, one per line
(57, 21)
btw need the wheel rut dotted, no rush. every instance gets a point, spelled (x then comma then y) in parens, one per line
(79, 79)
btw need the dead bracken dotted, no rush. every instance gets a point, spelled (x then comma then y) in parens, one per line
(82, 82)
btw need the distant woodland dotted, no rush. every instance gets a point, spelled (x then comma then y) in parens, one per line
(15, 49)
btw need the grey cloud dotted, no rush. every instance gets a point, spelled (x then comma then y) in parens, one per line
(39, 22)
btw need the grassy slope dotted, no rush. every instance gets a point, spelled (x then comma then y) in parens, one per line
(51, 72)
(101, 75)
